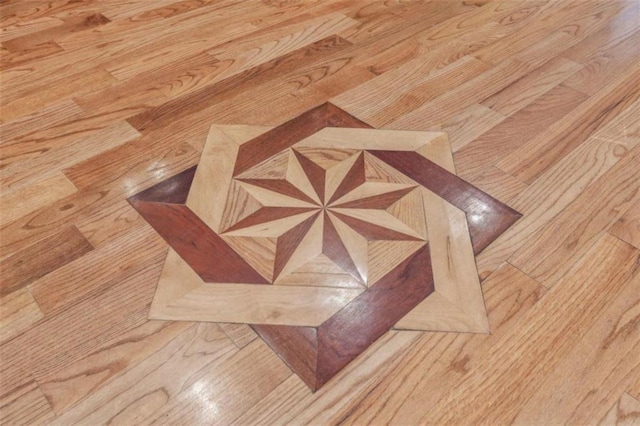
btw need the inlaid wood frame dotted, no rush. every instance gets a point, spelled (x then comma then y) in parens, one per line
(324, 328)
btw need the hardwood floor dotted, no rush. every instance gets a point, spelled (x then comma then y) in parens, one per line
(102, 100)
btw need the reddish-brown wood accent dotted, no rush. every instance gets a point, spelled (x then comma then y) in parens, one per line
(371, 231)
(314, 172)
(280, 186)
(296, 346)
(291, 132)
(268, 214)
(316, 355)
(171, 191)
(207, 254)
(356, 326)
(334, 249)
(382, 201)
(354, 178)
(288, 242)
(41, 258)
(171, 111)
(486, 216)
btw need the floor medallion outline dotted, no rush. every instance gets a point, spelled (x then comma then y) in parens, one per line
(323, 234)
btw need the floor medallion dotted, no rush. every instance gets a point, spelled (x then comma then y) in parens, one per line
(323, 234)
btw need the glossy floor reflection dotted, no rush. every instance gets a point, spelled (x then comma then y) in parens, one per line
(323, 233)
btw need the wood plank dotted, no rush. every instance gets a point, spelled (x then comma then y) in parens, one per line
(599, 68)
(34, 197)
(62, 339)
(493, 392)
(582, 388)
(406, 88)
(532, 86)
(492, 146)
(375, 380)
(69, 383)
(142, 391)
(25, 406)
(18, 312)
(626, 411)
(550, 146)
(540, 206)
(39, 158)
(264, 371)
(571, 232)
(484, 85)
(34, 261)
(90, 274)
(627, 228)
(240, 334)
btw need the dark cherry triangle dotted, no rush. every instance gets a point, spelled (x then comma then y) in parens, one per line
(371, 231)
(314, 172)
(334, 249)
(280, 186)
(288, 242)
(207, 254)
(354, 178)
(381, 201)
(171, 191)
(268, 214)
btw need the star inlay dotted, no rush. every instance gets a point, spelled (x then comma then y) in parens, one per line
(332, 210)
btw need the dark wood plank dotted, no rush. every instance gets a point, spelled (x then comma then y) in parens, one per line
(209, 256)
(42, 257)
(486, 216)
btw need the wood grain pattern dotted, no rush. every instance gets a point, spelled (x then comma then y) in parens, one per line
(627, 228)
(562, 74)
(626, 411)
(39, 259)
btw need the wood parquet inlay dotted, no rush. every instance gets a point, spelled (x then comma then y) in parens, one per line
(323, 234)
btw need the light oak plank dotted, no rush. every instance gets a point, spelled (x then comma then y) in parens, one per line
(627, 228)
(70, 383)
(602, 172)
(25, 406)
(550, 146)
(30, 161)
(18, 312)
(626, 411)
(558, 322)
(243, 303)
(92, 272)
(17, 204)
(601, 366)
(141, 392)
(529, 88)
(240, 334)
